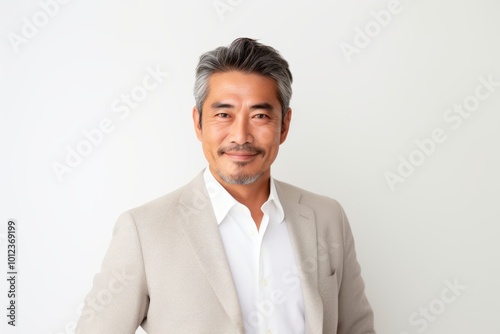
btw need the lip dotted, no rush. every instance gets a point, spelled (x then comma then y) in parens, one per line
(241, 156)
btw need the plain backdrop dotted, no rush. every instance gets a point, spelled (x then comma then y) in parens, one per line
(365, 93)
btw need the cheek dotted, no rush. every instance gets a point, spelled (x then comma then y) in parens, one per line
(269, 138)
(212, 137)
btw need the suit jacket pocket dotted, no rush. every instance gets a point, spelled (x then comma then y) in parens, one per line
(328, 290)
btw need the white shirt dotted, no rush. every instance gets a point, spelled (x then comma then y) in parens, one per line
(262, 262)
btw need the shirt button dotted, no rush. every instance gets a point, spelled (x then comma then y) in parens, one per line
(269, 331)
(265, 282)
(251, 233)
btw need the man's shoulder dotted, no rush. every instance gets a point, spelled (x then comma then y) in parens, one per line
(305, 197)
(327, 212)
(168, 203)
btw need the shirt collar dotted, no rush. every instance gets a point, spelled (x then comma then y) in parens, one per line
(223, 202)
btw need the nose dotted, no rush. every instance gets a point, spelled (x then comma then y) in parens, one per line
(240, 132)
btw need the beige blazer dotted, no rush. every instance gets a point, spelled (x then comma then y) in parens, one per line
(166, 269)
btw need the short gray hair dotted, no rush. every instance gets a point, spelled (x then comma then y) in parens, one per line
(248, 56)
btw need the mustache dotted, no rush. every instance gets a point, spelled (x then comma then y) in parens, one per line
(241, 148)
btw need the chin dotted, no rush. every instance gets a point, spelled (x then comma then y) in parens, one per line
(240, 178)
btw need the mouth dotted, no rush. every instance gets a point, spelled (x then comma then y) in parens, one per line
(241, 153)
(241, 156)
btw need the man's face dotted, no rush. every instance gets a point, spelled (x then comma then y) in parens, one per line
(241, 127)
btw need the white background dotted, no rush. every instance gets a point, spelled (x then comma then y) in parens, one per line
(352, 121)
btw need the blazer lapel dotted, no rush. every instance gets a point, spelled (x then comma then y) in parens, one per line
(203, 233)
(302, 230)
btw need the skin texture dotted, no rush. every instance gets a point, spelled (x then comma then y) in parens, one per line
(241, 131)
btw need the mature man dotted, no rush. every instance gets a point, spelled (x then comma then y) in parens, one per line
(233, 251)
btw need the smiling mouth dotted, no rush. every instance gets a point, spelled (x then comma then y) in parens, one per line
(241, 156)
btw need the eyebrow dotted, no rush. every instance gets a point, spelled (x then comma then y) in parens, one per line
(265, 106)
(221, 105)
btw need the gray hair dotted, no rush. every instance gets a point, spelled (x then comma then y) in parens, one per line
(248, 56)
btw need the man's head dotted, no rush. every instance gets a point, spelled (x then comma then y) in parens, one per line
(248, 56)
(242, 111)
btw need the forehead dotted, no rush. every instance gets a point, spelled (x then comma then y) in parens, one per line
(236, 84)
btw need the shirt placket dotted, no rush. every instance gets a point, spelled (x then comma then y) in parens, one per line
(265, 304)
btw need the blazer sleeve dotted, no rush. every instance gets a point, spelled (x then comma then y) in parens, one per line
(118, 300)
(355, 312)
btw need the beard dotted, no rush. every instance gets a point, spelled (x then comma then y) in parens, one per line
(240, 178)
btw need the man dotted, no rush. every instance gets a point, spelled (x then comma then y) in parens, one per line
(233, 251)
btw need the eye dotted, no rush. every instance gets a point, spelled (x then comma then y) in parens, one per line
(222, 115)
(261, 116)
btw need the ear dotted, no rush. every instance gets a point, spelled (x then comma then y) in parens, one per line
(196, 123)
(285, 126)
